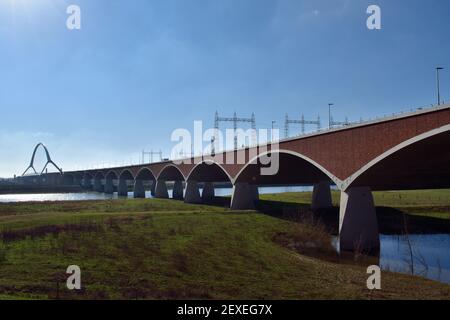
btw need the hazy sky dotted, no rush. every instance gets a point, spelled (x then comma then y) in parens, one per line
(139, 69)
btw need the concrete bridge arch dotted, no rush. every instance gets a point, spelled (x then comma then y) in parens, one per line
(399, 167)
(208, 173)
(110, 177)
(142, 176)
(292, 168)
(99, 177)
(124, 177)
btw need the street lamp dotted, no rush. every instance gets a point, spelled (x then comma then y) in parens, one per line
(438, 85)
(329, 114)
(271, 133)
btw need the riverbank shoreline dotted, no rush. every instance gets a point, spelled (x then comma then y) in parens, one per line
(38, 189)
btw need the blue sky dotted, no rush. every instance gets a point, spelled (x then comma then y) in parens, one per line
(139, 69)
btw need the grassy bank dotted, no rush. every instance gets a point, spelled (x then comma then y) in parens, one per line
(430, 203)
(164, 249)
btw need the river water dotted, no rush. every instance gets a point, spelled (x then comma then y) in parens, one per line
(84, 196)
(430, 252)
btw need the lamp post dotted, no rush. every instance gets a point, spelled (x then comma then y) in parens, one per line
(329, 114)
(438, 85)
(271, 133)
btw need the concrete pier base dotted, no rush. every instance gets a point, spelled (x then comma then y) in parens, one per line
(139, 190)
(321, 198)
(77, 181)
(109, 186)
(98, 186)
(87, 184)
(244, 196)
(161, 190)
(177, 192)
(153, 188)
(192, 193)
(358, 226)
(208, 192)
(122, 189)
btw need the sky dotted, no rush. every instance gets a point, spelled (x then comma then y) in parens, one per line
(137, 70)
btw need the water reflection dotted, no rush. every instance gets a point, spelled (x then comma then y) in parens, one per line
(424, 255)
(85, 196)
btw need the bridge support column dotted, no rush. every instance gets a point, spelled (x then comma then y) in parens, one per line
(192, 193)
(358, 226)
(109, 186)
(177, 192)
(87, 184)
(68, 180)
(244, 196)
(321, 198)
(98, 186)
(208, 192)
(161, 190)
(122, 188)
(153, 188)
(139, 190)
(77, 181)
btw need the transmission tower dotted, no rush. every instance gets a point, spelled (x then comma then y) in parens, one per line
(339, 123)
(235, 121)
(151, 154)
(302, 122)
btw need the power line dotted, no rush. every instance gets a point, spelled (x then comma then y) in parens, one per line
(302, 122)
(235, 120)
(151, 154)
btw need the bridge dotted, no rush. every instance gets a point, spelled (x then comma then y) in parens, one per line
(407, 151)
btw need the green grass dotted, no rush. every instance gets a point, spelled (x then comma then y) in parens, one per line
(164, 249)
(431, 203)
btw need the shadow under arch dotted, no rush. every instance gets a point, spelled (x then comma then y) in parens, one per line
(126, 175)
(98, 185)
(112, 174)
(68, 179)
(171, 173)
(293, 169)
(422, 162)
(99, 175)
(145, 174)
(87, 180)
(209, 171)
(49, 160)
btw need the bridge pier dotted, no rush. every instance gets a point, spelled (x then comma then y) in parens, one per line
(77, 181)
(208, 192)
(358, 225)
(321, 198)
(161, 190)
(153, 188)
(139, 190)
(192, 193)
(109, 186)
(122, 188)
(177, 192)
(244, 196)
(87, 183)
(98, 186)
